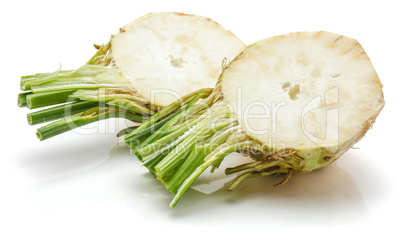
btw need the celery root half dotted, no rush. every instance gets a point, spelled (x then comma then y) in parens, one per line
(294, 103)
(150, 63)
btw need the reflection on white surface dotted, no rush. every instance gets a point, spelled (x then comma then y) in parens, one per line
(325, 197)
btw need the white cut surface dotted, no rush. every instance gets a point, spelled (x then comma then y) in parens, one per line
(303, 90)
(169, 55)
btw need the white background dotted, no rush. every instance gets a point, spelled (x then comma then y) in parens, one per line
(85, 187)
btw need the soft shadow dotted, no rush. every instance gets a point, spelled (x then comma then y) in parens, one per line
(329, 196)
(63, 155)
(325, 197)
